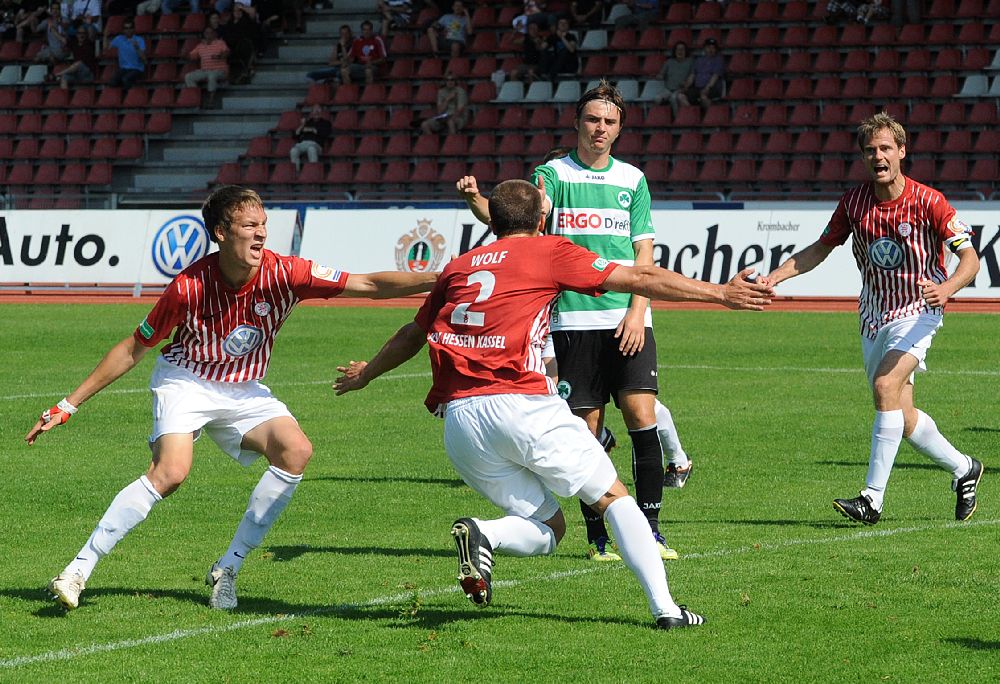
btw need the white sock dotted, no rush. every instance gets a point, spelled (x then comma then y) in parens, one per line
(267, 501)
(926, 439)
(517, 536)
(640, 554)
(668, 437)
(127, 510)
(887, 433)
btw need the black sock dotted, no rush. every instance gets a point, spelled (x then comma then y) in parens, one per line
(647, 473)
(594, 522)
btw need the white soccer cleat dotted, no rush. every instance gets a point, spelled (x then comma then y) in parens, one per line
(223, 583)
(66, 588)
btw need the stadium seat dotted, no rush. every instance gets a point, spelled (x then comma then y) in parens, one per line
(744, 115)
(766, 37)
(484, 43)
(133, 122)
(983, 113)
(857, 60)
(136, 98)
(10, 52)
(594, 40)
(741, 63)
(827, 87)
(511, 145)
(46, 174)
(426, 94)
(749, 143)
(833, 115)
(567, 91)
(719, 143)
(283, 173)
(74, 173)
(802, 171)
(958, 142)
(914, 87)
(689, 143)
(20, 174)
(659, 116)
(854, 35)
(623, 39)
(885, 87)
(660, 143)
(886, 60)
(839, 142)
(796, 37)
(976, 59)
(629, 144)
(743, 171)
(52, 148)
(99, 173)
(769, 64)
(688, 116)
(426, 173)
(831, 171)
(652, 38)
(921, 170)
(482, 145)
(713, 171)
(513, 118)
(539, 92)
(716, 115)
(158, 123)
(804, 115)
(369, 145)
(35, 74)
(736, 12)
(345, 120)
(945, 86)
(707, 12)
(952, 114)
(110, 97)
(55, 123)
(855, 88)
(454, 145)
(808, 142)
(31, 98)
(799, 89)
(683, 171)
(779, 144)
(737, 38)
(975, 85)
(340, 173)
(954, 170)
(825, 37)
(430, 69)
(164, 72)
(948, 59)
(29, 124)
(397, 145)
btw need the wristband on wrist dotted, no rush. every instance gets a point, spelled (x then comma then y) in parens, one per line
(64, 405)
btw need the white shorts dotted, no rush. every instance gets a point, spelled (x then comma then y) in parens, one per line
(912, 335)
(226, 411)
(516, 449)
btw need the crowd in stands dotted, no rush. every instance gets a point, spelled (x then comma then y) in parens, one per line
(414, 89)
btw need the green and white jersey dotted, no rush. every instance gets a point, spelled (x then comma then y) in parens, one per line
(604, 210)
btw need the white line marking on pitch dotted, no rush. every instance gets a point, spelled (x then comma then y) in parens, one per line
(71, 653)
(667, 366)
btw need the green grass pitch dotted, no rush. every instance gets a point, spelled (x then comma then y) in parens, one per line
(356, 580)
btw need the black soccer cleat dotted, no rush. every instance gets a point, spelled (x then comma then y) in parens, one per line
(687, 619)
(859, 510)
(475, 561)
(965, 491)
(676, 477)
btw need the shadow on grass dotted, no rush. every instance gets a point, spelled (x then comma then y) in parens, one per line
(445, 482)
(902, 466)
(975, 644)
(287, 553)
(978, 428)
(404, 613)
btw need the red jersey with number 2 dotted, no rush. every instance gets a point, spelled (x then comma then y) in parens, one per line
(488, 315)
(225, 335)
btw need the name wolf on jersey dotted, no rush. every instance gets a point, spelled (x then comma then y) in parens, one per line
(586, 220)
(488, 258)
(469, 341)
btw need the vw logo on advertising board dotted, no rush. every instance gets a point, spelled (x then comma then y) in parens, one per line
(886, 254)
(243, 340)
(179, 243)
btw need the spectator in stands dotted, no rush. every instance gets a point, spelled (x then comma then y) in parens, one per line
(27, 17)
(211, 54)
(395, 14)
(841, 10)
(452, 108)
(83, 68)
(875, 9)
(454, 28)
(560, 56)
(706, 81)
(241, 35)
(675, 74)
(640, 14)
(587, 13)
(311, 135)
(338, 57)
(131, 56)
(53, 27)
(366, 56)
(533, 44)
(174, 6)
(271, 15)
(85, 15)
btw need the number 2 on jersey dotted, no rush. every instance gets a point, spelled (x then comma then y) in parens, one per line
(461, 314)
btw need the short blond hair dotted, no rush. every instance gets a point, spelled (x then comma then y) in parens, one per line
(877, 122)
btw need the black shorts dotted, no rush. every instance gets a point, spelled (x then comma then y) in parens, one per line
(592, 370)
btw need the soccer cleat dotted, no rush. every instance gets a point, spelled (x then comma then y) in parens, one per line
(475, 561)
(965, 491)
(666, 553)
(676, 477)
(607, 439)
(598, 551)
(223, 583)
(859, 510)
(687, 619)
(66, 588)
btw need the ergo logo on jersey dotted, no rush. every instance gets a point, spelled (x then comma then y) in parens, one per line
(584, 220)
(178, 243)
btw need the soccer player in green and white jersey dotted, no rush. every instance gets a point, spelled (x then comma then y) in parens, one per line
(605, 346)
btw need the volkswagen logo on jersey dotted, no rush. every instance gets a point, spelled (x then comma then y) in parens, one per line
(624, 199)
(886, 254)
(179, 243)
(243, 340)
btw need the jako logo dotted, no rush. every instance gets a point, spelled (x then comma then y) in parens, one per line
(179, 243)
(243, 340)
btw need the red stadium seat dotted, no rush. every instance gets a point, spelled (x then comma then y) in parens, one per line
(743, 171)
(347, 94)
(983, 113)
(29, 124)
(917, 60)
(105, 147)
(373, 120)
(749, 142)
(78, 148)
(769, 63)
(808, 142)
(717, 115)
(340, 173)
(74, 173)
(133, 122)
(854, 34)
(430, 69)
(958, 142)
(774, 115)
(136, 98)
(369, 145)
(944, 86)
(922, 170)
(802, 171)
(796, 37)
(799, 89)
(804, 115)
(885, 87)
(831, 171)
(713, 170)
(130, 148)
(766, 38)
(31, 98)
(397, 145)
(229, 174)
(689, 143)
(164, 72)
(780, 143)
(52, 148)
(720, 143)
(839, 142)
(954, 170)
(737, 38)
(911, 34)
(99, 174)
(158, 123)
(857, 60)
(745, 115)
(952, 113)
(660, 143)
(400, 120)
(283, 173)
(683, 171)
(833, 115)
(46, 174)
(345, 120)
(886, 60)
(426, 94)
(736, 12)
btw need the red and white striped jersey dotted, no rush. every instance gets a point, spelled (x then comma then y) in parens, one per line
(896, 244)
(488, 314)
(226, 335)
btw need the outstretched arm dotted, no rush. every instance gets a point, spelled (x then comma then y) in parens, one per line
(400, 348)
(388, 284)
(799, 263)
(122, 358)
(659, 283)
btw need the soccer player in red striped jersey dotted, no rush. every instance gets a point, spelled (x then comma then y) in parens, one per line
(506, 431)
(900, 230)
(224, 311)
